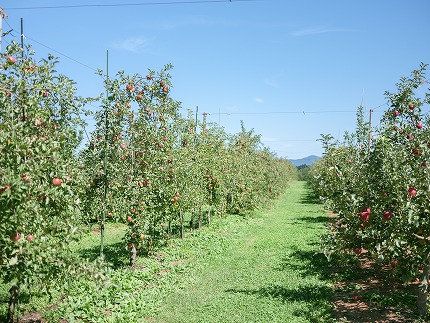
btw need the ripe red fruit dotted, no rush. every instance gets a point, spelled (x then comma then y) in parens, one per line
(165, 89)
(411, 106)
(129, 219)
(30, 238)
(419, 125)
(396, 113)
(144, 182)
(387, 215)
(130, 245)
(365, 215)
(130, 88)
(416, 151)
(4, 188)
(355, 298)
(57, 181)
(149, 77)
(10, 60)
(162, 84)
(26, 178)
(15, 236)
(37, 122)
(123, 146)
(358, 250)
(412, 191)
(139, 96)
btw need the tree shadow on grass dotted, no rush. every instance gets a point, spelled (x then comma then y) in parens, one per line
(314, 219)
(115, 254)
(309, 196)
(307, 263)
(314, 296)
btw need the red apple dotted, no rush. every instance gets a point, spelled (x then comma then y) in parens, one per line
(129, 219)
(10, 60)
(123, 146)
(26, 178)
(387, 215)
(37, 122)
(165, 89)
(396, 113)
(355, 298)
(15, 236)
(411, 106)
(149, 77)
(30, 238)
(412, 191)
(416, 151)
(162, 84)
(4, 188)
(139, 96)
(419, 125)
(57, 181)
(358, 250)
(365, 216)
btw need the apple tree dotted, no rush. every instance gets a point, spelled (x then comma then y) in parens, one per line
(39, 174)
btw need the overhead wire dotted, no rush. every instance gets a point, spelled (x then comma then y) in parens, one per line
(128, 4)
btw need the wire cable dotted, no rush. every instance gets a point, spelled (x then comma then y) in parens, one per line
(128, 4)
(66, 56)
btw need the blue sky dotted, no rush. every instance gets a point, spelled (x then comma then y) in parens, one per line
(291, 70)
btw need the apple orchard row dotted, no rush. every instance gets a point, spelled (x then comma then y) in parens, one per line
(144, 164)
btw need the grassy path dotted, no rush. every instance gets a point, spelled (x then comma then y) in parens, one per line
(271, 271)
(264, 268)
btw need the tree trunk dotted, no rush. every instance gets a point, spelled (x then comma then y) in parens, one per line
(12, 302)
(209, 215)
(200, 218)
(169, 231)
(133, 253)
(192, 220)
(423, 292)
(181, 217)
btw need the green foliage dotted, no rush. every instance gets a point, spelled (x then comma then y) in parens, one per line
(39, 176)
(381, 192)
(144, 165)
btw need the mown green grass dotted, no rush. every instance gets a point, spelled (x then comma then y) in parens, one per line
(262, 268)
(271, 270)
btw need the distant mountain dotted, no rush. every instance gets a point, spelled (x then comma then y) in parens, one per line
(305, 161)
